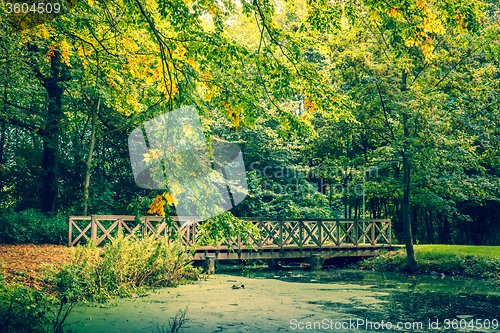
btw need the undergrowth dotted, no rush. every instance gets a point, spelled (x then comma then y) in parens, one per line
(31, 310)
(32, 226)
(123, 268)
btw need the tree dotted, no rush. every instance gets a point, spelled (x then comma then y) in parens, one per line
(393, 73)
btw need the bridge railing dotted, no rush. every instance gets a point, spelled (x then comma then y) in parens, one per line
(100, 228)
(301, 233)
(275, 233)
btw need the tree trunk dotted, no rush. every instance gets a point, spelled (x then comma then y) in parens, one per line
(446, 230)
(2, 145)
(89, 160)
(405, 203)
(346, 193)
(52, 135)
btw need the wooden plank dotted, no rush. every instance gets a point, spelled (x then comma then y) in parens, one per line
(301, 236)
(93, 230)
(292, 231)
(82, 233)
(70, 236)
(390, 233)
(280, 237)
(106, 232)
(132, 232)
(329, 233)
(320, 233)
(339, 241)
(373, 233)
(310, 229)
(356, 233)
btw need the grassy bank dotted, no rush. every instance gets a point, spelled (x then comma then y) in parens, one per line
(473, 261)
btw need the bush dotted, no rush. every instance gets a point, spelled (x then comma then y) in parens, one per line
(23, 309)
(31, 226)
(123, 268)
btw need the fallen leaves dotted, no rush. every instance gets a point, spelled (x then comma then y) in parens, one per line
(24, 261)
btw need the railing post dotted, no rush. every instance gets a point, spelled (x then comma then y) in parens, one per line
(70, 236)
(338, 233)
(280, 221)
(356, 232)
(373, 232)
(143, 226)
(301, 238)
(93, 230)
(120, 222)
(390, 232)
(193, 232)
(320, 233)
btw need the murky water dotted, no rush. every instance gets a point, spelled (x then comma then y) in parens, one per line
(305, 301)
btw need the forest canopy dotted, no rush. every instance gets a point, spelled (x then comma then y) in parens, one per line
(387, 103)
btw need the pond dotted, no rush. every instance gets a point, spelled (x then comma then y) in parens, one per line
(305, 301)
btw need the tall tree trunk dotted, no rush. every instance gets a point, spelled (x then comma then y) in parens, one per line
(89, 160)
(405, 203)
(2, 145)
(445, 234)
(52, 134)
(346, 193)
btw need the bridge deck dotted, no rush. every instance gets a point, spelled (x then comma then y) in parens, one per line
(289, 252)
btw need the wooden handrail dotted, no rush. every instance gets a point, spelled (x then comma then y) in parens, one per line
(276, 233)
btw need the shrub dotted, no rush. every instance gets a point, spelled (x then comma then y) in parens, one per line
(24, 309)
(31, 226)
(124, 267)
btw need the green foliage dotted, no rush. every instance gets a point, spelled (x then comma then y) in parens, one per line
(123, 268)
(292, 197)
(21, 309)
(29, 310)
(31, 226)
(409, 87)
(224, 227)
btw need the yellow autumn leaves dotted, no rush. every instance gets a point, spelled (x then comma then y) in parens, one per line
(428, 25)
(309, 106)
(235, 118)
(152, 155)
(157, 206)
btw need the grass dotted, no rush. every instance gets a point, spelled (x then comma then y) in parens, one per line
(466, 260)
(439, 250)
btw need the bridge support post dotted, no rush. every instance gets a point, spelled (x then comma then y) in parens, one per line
(273, 264)
(210, 264)
(316, 261)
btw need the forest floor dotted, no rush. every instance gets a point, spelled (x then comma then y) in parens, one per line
(25, 261)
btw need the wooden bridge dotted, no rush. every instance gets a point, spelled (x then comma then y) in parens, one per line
(281, 239)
